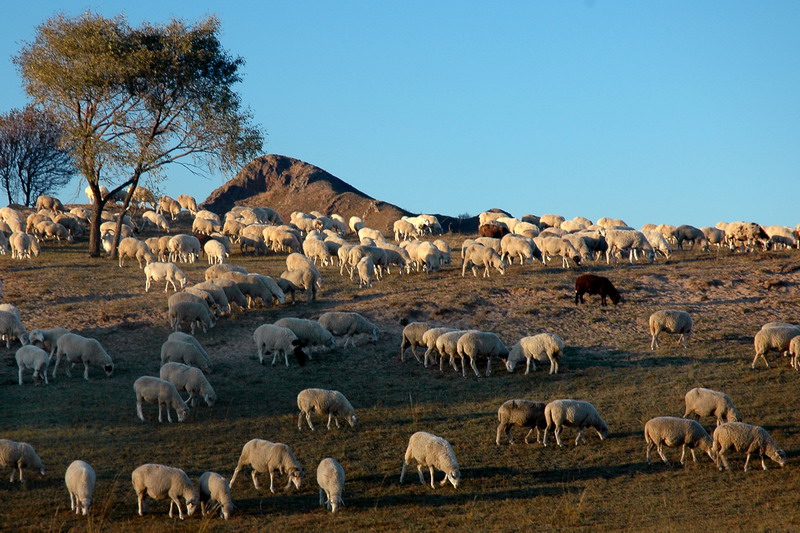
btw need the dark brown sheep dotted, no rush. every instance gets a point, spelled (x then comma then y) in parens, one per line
(591, 284)
(496, 231)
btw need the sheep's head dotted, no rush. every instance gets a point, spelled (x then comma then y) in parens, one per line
(779, 456)
(376, 333)
(37, 378)
(509, 364)
(108, 369)
(210, 398)
(296, 478)
(191, 506)
(454, 477)
(182, 412)
(352, 419)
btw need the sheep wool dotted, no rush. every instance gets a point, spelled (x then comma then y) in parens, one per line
(33, 358)
(672, 431)
(541, 347)
(412, 337)
(480, 343)
(573, 413)
(347, 325)
(264, 456)
(748, 439)
(80, 480)
(190, 379)
(706, 402)
(215, 492)
(330, 478)
(324, 402)
(159, 482)
(435, 453)
(77, 349)
(670, 321)
(156, 390)
(19, 456)
(520, 413)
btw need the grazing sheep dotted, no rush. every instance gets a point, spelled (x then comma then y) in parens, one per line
(480, 343)
(186, 351)
(48, 229)
(330, 478)
(309, 331)
(205, 226)
(156, 219)
(794, 351)
(494, 230)
(135, 249)
(670, 321)
(628, 240)
(591, 284)
(278, 340)
(192, 312)
(232, 291)
(80, 480)
(190, 379)
(159, 482)
(215, 251)
(213, 292)
(525, 248)
(773, 338)
(168, 205)
(659, 243)
(447, 346)
(185, 248)
(344, 324)
(672, 431)
(714, 235)
(690, 233)
(156, 390)
(18, 456)
(551, 247)
(707, 402)
(476, 256)
(215, 492)
(412, 337)
(520, 413)
(214, 271)
(435, 453)
(11, 328)
(745, 438)
(365, 269)
(158, 271)
(429, 339)
(264, 456)
(748, 235)
(188, 202)
(324, 402)
(49, 202)
(22, 245)
(573, 413)
(77, 349)
(34, 358)
(541, 347)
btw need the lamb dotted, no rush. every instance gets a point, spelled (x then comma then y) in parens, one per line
(158, 271)
(412, 337)
(80, 480)
(325, 402)
(188, 202)
(215, 251)
(264, 456)
(330, 478)
(536, 347)
(156, 219)
(573, 413)
(520, 413)
(745, 438)
(476, 256)
(278, 340)
(193, 313)
(707, 402)
(159, 482)
(483, 343)
(156, 390)
(672, 431)
(591, 284)
(46, 338)
(309, 331)
(190, 379)
(429, 339)
(77, 349)
(34, 358)
(343, 324)
(11, 328)
(135, 249)
(670, 321)
(18, 456)
(775, 338)
(215, 492)
(435, 453)
(183, 350)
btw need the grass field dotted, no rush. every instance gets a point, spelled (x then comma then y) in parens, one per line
(598, 485)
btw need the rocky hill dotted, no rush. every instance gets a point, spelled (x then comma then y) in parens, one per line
(286, 184)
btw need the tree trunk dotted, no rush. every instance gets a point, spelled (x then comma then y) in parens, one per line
(97, 219)
(115, 243)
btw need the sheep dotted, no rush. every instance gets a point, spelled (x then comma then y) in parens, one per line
(573, 413)
(135, 249)
(46, 338)
(520, 413)
(156, 390)
(746, 234)
(404, 230)
(330, 478)
(483, 343)
(156, 219)
(214, 271)
(110, 228)
(17, 456)
(536, 348)
(412, 337)
(183, 350)
(672, 431)
(489, 242)
(215, 492)
(77, 349)
(205, 226)
(12, 328)
(232, 291)
(344, 324)
(215, 251)
(706, 402)
(447, 346)
(745, 438)
(80, 480)
(188, 202)
(606, 222)
(494, 230)
(34, 358)
(794, 351)
(309, 331)
(158, 271)
(48, 229)
(278, 340)
(714, 235)
(591, 284)
(366, 269)
(159, 482)
(216, 292)
(775, 338)
(185, 248)
(670, 321)
(306, 279)
(690, 233)
(435, 453)
(429, 339)
(325, 402)
(276, 293)
(190, 379)
(628, 240)
(658, 242)
(264, 456)
(192, 312)
(476, 256)
(254, 287)
(49, 202)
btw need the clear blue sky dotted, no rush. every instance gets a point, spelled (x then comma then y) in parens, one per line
(674, 112)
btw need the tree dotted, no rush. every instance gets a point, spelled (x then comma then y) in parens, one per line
(133, 100)
(31, 161)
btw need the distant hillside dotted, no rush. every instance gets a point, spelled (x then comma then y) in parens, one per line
(286, 184)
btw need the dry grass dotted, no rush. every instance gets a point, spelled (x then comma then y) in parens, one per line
(598, 485)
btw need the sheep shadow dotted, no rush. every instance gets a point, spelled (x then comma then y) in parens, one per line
(562, 475)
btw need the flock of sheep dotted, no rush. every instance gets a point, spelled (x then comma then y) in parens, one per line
(314, 242)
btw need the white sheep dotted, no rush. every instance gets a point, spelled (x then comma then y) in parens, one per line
(168, 205)
(345, 324)
(192, 312)
(131, 247)
(324, 402)
(18, 456)
(628, 240)
(794, 351)
(706, 402)
(159, 482)
(773, 338)
(513, 246)
(190, 379)
(156, 219)
(672, 431)
(214, 271)
(309, 331)
(447, 346)
(541, 347)
(215, 492)
(231, 289)
(22, 245)
(75, 348)
(158, 271)
(46, 338)
(33, 358)
(480, 343)
(412, 337)
(573, 413)
(520, 413)
(184, 247)
(476, 256)
(186, 351)
(670, 321)
(188, 202)
(264, 456)
(315, 249)
(215, 251)
(156, 390)
(11, 328)
(330, 478)
(435, 453)
(557, 247)
(745, 438)
(659, 243)
(278, 340)
(429, 338)
(365, 269)
(80, 480)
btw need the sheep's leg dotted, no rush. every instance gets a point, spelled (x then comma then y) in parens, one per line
(747, 462)
(694, 457)
(330, 416)
(235, 473)
(421, 477)
(159, 412)
(300, 421)
(557, 433)
(473, 365)
(139, 409)
(529, 434)
(86, 371)
(489, 365)
(403, 471)
(553, 365)
(20, 375)
(464, 368)
(72, 499)
(763, 464)
(654, 341)
(286, 358)
(683, 454)
(308, 419)
(140, 497)
(650, 446)
(271, 481)
(579, 437)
